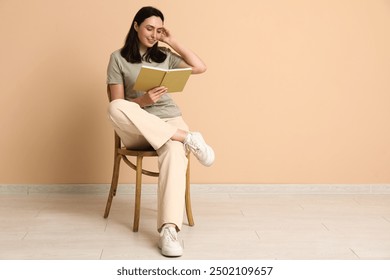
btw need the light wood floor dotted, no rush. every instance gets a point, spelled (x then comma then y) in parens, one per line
(227, 226)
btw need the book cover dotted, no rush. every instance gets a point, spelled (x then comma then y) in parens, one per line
(173, 79)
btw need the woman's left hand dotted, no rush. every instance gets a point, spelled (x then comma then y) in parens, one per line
(190, 59)
(166, 36)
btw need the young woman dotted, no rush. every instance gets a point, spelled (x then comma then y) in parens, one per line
(151, 118)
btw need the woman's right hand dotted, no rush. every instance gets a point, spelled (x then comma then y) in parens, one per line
(153, 95)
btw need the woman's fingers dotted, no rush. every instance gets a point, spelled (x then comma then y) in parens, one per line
(156, 93)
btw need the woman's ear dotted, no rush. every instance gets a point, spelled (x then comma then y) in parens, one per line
(136, 26)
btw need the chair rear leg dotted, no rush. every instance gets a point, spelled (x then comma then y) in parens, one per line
(114, 184)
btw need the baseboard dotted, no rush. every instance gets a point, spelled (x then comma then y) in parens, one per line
(203, 188)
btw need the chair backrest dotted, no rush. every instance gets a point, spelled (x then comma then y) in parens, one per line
(117, 141)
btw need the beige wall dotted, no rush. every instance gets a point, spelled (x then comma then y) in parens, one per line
(295, 92)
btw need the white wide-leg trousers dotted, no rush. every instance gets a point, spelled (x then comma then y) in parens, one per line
(139, 129)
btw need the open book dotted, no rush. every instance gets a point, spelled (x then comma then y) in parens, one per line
(173, 79)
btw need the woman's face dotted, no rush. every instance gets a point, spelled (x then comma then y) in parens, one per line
(149, 32)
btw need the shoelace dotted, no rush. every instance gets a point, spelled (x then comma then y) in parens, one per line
(192, 146)
(170, 235)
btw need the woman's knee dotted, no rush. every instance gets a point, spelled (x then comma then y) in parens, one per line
(120, 108)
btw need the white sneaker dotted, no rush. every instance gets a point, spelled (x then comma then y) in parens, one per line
(196, 144)
(169, 243)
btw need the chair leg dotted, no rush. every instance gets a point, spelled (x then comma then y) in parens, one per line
(114, 184)
(190, 218)
(138, 182)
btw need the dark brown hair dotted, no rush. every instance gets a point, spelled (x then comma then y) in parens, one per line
(130, 51)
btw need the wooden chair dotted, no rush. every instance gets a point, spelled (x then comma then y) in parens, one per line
(121, 153)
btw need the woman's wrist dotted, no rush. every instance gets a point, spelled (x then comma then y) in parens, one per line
(139, 101)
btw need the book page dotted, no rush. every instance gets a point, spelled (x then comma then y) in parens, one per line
(176, 79)
(149, 78)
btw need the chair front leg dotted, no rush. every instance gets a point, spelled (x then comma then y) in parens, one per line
(190, 218)
(138, 182)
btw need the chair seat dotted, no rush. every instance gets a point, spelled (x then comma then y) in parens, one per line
(136, 153)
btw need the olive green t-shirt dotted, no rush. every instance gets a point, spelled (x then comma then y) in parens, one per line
(119, 71)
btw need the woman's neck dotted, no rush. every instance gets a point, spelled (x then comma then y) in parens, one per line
(142, 49)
